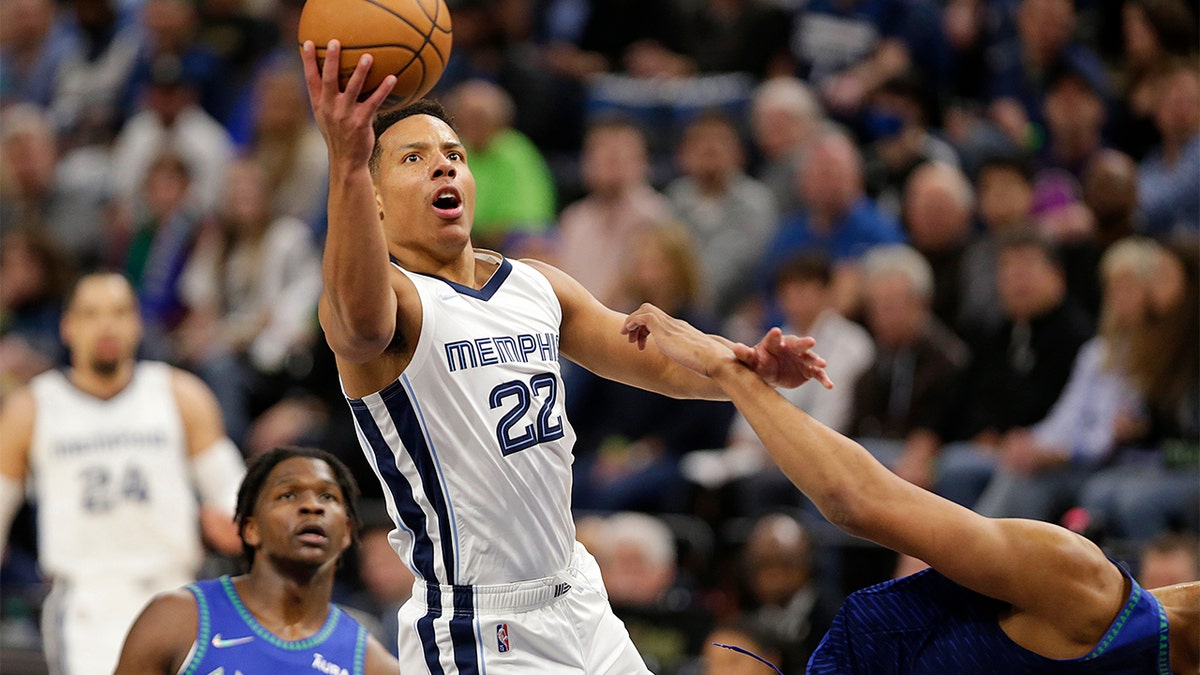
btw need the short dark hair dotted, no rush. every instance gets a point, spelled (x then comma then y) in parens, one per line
(384, 121)
(256, 477)
(1028, 237)
(1007, 158)
(805, 266)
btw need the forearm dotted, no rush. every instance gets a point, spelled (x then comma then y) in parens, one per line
(359, 297)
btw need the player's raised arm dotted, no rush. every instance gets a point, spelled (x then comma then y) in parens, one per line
(358, 306)
(1066, 588)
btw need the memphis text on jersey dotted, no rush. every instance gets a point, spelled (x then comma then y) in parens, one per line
(490, 351)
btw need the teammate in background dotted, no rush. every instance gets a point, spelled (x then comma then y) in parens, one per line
(296, 516)
(1004, 595)
(449, 357)
(117, 449)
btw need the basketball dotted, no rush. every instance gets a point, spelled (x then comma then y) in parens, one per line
(407, 38)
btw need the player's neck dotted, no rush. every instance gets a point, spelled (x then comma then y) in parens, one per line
(101, 385)
(292, 605)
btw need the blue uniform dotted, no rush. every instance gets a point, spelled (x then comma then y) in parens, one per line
(230, 640)
(926, 623)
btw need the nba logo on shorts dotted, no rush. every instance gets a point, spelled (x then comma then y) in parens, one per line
(502, 637)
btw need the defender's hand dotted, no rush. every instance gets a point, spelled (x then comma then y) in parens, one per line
(784, 360)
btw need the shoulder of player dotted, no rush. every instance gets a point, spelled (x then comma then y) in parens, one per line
(564, 285)
(163, 633)
(188, 388)
(379, 661)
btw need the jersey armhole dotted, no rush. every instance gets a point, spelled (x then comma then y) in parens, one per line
(203, 627)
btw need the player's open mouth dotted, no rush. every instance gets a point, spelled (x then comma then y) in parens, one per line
(312, 534)
(447, 203)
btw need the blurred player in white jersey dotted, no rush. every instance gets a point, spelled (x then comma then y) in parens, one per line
(117, 450)
(449, 357)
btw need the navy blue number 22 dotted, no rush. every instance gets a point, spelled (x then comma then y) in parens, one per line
(544, 431)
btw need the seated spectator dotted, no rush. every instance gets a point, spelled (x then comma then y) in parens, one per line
(749, 634)
(514, 188)
(596, 233)
(1005, 202)
(784, 118)
(251, 288)
(170, 27)
(1151, 486)
(34, 41)
(731, 217)
(1169, 559)
(898, 119)
(837, 219)
(784, 593)
(629, 441)
(938, 203)
(1041, 468)
(1075, 111)
(903, 399)
(1167, 191)
(1110, 193)
(637, 558)
(387, 581)
(1154, 32)
(34, 278)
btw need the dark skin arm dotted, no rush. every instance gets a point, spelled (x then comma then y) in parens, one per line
(161, 637)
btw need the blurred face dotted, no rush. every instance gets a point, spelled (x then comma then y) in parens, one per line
(300, 516)
(895, 314)
(166, 188)
(1167, 568)
(632, 578)
(776, 556)
(1045, 26)
(721, 661)
(1178, 113)
(425, 190)
(778, 131)
(710, 152)
(280, 106)
(1169, 286)
(386, 576)
(29, 159)
(1029, 284)
(22, 277)
(1072, 109)
(23, 23)
(1141, 46)
(101, 327)
(247, 202)
(1004, 198)
(802, 301)
(832, 179)
(1125, 298)
(614, 159)
(937, 219)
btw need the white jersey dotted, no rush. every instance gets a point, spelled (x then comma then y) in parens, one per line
(471, 443)
(112, 483)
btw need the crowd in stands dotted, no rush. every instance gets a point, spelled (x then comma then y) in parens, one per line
(987, 212)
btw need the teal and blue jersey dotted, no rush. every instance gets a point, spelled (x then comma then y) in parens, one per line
(926, 623)
(229, 640)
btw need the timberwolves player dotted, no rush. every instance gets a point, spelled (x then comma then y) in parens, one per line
(1004, 596)
(449, 357)
(117, 450)
(296, 517)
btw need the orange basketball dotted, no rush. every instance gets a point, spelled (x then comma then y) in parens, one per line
(408, 38)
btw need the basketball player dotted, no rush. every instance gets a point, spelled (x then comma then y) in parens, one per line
(1004, 595)
(449, 357)
(117, 449)
(296, 517)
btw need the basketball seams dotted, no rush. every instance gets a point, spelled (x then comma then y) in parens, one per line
(417, 52)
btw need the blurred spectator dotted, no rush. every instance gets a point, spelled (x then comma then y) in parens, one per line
(748, 36)
(287, 146)
(34, 277)
(33, 42)
(629, 441)
(1110, 193)
(637, 558)
(898, 118)
(241, 37)
(515, 190)
(938, 204)
(172, 121)
(91, 83)
(752, 635)
(1040, 469)
(1019, 368)
(596, 232)
(731, 217)
(171, 35)
(1005, 201)
(1153, 33)
(837, 218)
(65, 197)
(387, 581)
(1152, 486)
(903, 400)
(778, 565)
(1168, 560)
(847, 48)
(1167, 179)
(803, 293)
(251, 287)
(1074, 109)
(785, 118)
(587, 37)
(1021, 65)
(156, 247)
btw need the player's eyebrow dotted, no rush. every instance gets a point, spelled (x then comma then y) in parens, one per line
(421, 145)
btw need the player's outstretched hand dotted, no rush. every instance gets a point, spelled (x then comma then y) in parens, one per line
(677, 339)
(345, 122)
(784, 361)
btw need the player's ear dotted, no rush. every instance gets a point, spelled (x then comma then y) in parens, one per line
(379, 202)
(348, 537)
(250, 533)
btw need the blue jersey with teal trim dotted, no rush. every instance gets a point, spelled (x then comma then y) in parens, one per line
(926, 623)
(230, 641)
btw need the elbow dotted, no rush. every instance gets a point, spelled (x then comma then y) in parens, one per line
(847, 513)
